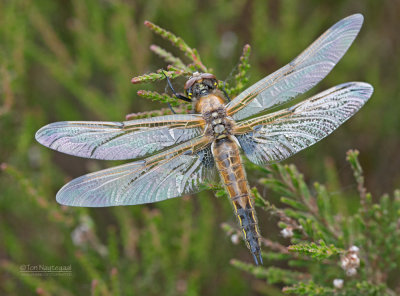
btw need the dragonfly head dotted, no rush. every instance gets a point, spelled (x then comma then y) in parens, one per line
(200, 84)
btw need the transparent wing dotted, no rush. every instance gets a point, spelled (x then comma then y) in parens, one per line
(277, 136)
(175, 172)
(119, 140)
(305, 71)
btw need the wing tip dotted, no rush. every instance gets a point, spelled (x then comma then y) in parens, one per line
(360, 86)
(39, 135)
(365, 87)
(60, 197)
(70, 196)
(352, 22)
(73, 202)
(358, 15)
(356, 18)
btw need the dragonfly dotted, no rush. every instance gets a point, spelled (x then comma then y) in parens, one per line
(176, 154)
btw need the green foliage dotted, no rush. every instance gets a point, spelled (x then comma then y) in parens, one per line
(191, 53)
(155, 96)
(241, 78)
(319, 252)
(160, 75)
(273, 274)
(360, 288)
(363, 246)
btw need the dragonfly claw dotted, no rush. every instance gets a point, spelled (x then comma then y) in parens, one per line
(255, 258)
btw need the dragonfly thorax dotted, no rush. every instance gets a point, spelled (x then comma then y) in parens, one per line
(219, 125)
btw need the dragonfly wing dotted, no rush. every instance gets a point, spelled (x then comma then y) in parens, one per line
(119, 140)
(277, 136)
(297, 77)
(175, 172)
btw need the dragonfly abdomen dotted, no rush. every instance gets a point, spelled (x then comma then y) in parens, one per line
(231, 170)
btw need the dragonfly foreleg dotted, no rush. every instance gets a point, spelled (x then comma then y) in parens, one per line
(179, 96)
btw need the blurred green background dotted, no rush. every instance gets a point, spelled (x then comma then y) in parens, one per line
(73, 60)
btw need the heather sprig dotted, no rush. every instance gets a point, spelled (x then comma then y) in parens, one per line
(364, 288)
(191, 53)
(159, 75)
(272, 274)
(317, 251)
(352, 158)
(241, 78)
(168, 57)
(155, 96)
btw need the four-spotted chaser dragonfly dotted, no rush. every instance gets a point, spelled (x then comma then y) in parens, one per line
(177, 153)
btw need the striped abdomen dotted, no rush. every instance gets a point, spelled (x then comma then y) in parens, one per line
(230, 167)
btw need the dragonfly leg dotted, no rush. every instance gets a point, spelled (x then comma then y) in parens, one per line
(225, 93)
(179, 96)
(172, 110)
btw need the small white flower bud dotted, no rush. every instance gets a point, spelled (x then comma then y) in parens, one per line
(80, 235)
(354, 249)
(338, 283)
(350, 261)
(235, 239)
(351, 272)
(287, 232)
(344, 263)
(355, 261)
